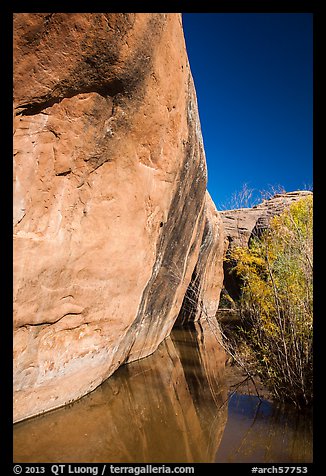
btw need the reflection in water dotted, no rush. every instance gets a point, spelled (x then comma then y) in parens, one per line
(265, 433)
(168, 408)
(164, 408)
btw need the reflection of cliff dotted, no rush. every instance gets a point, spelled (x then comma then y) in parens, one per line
(199, 350)
(164, 408)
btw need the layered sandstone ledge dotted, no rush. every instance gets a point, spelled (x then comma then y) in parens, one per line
(241, 223)
(111, 213)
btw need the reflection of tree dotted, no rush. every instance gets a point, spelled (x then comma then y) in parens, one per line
(265, 433)
(240, 449)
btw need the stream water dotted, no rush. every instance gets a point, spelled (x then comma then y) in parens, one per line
(173, 406)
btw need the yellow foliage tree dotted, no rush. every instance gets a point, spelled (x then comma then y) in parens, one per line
(277, 301)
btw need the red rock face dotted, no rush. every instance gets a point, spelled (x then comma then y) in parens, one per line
(109, 196)
(200, 302)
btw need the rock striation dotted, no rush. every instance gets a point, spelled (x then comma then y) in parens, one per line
(200, 301)
(110, 205)
(240, 225)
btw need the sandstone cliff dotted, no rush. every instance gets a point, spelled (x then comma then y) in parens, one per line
(109, 198)
(200, 301)
(240, 225)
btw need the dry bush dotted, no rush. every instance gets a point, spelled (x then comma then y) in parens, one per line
(276, 305)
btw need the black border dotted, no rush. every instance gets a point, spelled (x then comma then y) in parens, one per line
(7, 245)
(225, 6)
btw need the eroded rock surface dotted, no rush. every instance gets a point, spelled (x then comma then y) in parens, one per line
(200, 301)
(109, 196)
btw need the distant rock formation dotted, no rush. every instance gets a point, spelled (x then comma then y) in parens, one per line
(110, 205)
(240, 225)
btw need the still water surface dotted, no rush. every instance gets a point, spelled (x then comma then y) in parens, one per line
(173, 406)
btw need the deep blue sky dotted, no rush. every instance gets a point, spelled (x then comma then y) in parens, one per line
(253, 75)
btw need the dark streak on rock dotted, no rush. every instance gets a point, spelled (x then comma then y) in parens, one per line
(161, 289)
(95, 73)
(63, 174)
(38, 324)
(191, 301)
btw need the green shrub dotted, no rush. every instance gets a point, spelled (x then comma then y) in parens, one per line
(277, 302)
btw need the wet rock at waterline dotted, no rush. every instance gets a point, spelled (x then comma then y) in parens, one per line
(169, 407)
(109, 198)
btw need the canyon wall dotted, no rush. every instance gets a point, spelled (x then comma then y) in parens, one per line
(110, 207)
(200, 301)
